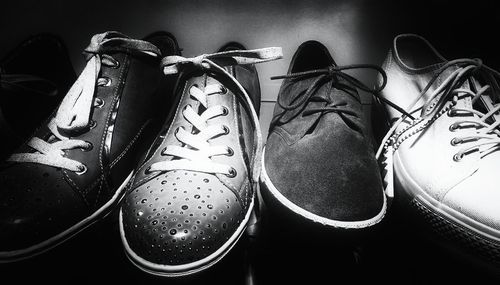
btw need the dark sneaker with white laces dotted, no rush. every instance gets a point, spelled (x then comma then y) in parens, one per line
(34, 77)
(319, 165)
(73, 170)
(193, 195)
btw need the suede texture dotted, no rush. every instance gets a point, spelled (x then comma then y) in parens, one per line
(323, 162)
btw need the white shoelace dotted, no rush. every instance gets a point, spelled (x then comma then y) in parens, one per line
(197, 151)
(73, 115)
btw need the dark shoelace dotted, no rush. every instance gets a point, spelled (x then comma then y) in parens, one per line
(466, 70)
(332, 73)
(489, 74)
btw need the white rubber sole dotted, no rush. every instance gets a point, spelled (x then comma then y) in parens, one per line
(101, 213)
(313, 217)
(189, 268)
(413, 190)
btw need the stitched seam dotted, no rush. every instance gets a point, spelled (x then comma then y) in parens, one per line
(281, 132)
(98, 180)
(129, 145)
(247, 193)
(242, 195)
(117, 88)
(73, 184)
(99, 190)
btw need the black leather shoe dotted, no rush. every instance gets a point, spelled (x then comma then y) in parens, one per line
(34, 77)
(73, 170)
(193, 195)
(319, 163)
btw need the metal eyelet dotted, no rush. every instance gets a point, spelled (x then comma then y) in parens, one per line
(82, 169)
(453, 127)
(230, 151)
(147, 170)
(99, 102)
(89, 147)
(226, 129)
(176, 131)
(232, 173)
(110, 61)
(104, 81)
(455, 141)
(223, 90)
(92, 124)
(450, 113)
(458, 156)
(225, 111)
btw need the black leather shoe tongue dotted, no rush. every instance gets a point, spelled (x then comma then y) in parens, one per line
(163, 41)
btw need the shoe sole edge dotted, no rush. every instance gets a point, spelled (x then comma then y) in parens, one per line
(447, 222)
(264, 178)
(101, 213)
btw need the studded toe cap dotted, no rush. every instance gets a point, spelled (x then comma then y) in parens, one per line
(179, 218)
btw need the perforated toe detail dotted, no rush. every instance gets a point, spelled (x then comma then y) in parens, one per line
(180, 217)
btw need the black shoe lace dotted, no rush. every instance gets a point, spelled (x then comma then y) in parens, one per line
(333, 73)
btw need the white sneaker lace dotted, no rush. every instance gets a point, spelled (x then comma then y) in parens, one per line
(197, 151)
(73, 115)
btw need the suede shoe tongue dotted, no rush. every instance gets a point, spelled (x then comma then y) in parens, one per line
(298, 124)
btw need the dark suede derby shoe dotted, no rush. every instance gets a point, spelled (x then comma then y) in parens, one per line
(34, 77)
(193, 195)
(73, 170)
(318, 161)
